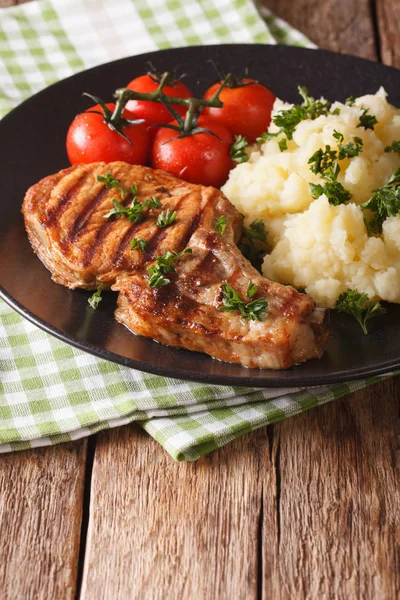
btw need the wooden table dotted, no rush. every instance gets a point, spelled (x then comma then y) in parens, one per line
(308, 508)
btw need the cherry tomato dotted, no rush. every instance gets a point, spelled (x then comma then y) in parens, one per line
(246, 110)
(153, 111)
(90, 139)
(198, 158)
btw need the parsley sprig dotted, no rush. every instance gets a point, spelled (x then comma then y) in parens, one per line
(166, 218)
(164, 264)
(385, 202)
(238, 149)
(287, 120)
(152, 202)
(220, 224)
(360, 306)
(138, 243)
(96, 298)
(394, 147)
(110, 183)
(253, 244)
(333, 190)
(255, 310)
(135, 210)
(350, 149)
(325, 162)
(367, 120)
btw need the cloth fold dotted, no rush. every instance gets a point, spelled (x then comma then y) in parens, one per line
(49, 391)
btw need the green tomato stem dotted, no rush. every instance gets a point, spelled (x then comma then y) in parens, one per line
(123, 95)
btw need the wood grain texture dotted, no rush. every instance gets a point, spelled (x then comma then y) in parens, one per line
(159, 529)
(41, 493)
(339, 25)
(388, 17)
(338, 500)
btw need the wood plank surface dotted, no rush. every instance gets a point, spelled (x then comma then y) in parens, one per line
(388, 15)
(164, 530)
(339, 25)
(338, 501)
(41, 494)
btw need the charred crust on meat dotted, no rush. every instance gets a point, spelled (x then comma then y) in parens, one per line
(163, 190)
(78, 226)
(64, 201)
(101, 234)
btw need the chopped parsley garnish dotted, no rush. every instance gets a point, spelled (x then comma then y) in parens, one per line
(385, 202)
(152, 202)
(338, 136)
(287, 120)
(326, 164)
(315, 108)
(394, 147)
(366, 120)
(250, 311)
(166, 218)
(138, 243)
(253, 244)
(282, 144)
(360, 306)
(220, 225)
(264, 137)
(164, 264)
(350, 101)
(323, 160)
(373, 224)
(110, 182)
(351, 149)
(134, 212)
(96, 298)
(333, 190)
(251, 289)
(238, 149)
(256, 231)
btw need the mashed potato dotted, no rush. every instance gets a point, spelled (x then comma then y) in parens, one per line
(324, 248)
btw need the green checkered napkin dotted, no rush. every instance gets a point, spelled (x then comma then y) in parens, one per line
(51, 392)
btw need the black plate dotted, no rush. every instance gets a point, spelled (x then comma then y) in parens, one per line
(32, 146)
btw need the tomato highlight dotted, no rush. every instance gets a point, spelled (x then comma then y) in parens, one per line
(246, 108)
(202, 157)
(91, 139)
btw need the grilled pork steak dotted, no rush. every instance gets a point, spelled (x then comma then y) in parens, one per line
(64, 216)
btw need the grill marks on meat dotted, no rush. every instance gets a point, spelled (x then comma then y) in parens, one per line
(83, 249)
(64, 216)
(83, 218)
